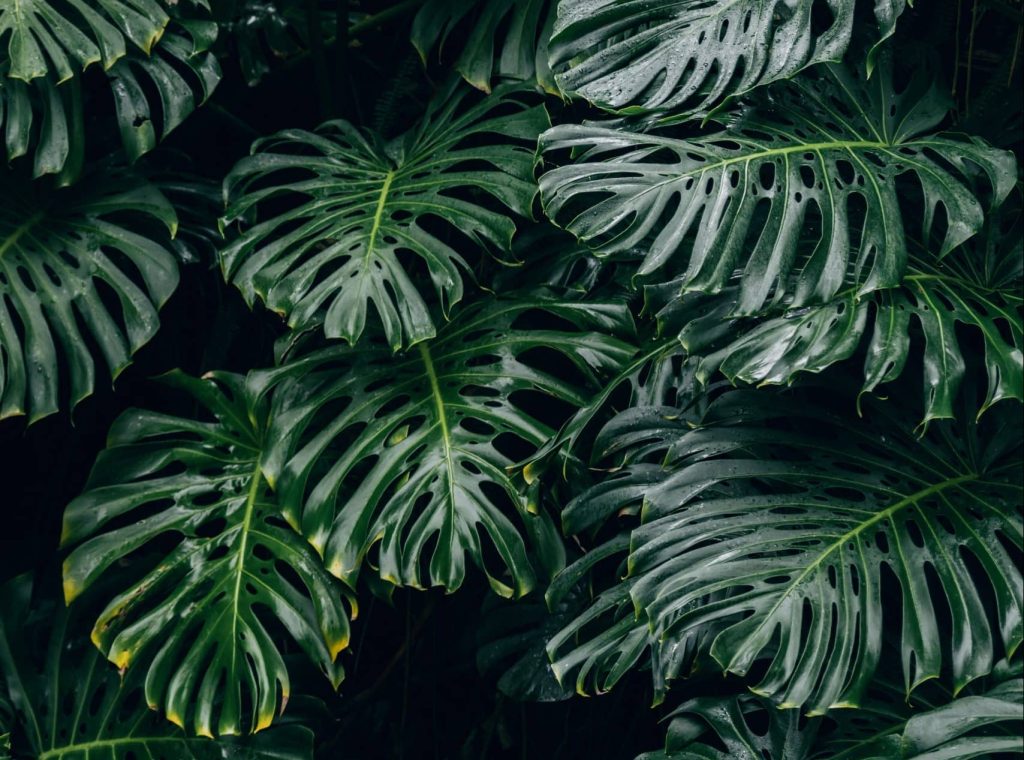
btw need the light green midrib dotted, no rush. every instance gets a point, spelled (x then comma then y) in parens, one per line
(57, 752)
(378, 215)
(250, 504)
(883, 515)
(13, 238)
(442, 418)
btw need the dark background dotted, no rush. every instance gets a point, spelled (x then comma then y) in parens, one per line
(413, 688)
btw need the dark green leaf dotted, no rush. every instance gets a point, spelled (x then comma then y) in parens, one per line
(72, 705)
(196, 621)
(55, 251)
(771, 196)
(805, 509)
(413, 452)
(362, 204)
(505, 39)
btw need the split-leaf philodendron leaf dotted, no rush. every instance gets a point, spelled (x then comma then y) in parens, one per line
(144, 51)
(365, 213)
(684, 56)
(799, 193)
(814, 518)
(56, 252)
(507, 39)
(193, 615)
(72, 705)
(414, 452)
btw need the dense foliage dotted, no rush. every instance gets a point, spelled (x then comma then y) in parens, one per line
(379, 379)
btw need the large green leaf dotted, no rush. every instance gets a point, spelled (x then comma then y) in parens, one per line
(977, 286)
(89, 265)
(196, 621)
(504, 39)
(683, 56)
(64, 36)
(71, 705)
(45, 114)
(782, 527)
(801, 195)
(412, 452)
(365, 214)
(182, 71)
(983, 724)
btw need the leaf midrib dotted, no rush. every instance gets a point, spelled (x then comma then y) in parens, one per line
(442, 418)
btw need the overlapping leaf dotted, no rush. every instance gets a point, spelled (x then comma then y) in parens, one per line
(200, 620)
(682, 56)
(72, 705)
(41, 98)
(412, 452)
(982, 724)
(770, 525)
(365, 214)
(90, 261)
(799, 197)
(506, 39)
(977, 286)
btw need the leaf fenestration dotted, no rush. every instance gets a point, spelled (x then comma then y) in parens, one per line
(414, 453)
(360, 208)
(194, 616)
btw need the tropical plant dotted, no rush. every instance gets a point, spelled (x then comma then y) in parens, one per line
(469, 358)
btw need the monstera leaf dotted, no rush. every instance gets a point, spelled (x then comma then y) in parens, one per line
(41, 99)
(801, 196)
(505, 39)
(983, 724)
(182, 71)
(684, 56)
(64, 37)
(781, 528)
(194, 613)
(6, 724)
(70, 704)
(977, 286)
(365, 213)
(413, 452)
(90, 261)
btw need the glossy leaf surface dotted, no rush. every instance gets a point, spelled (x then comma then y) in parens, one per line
(685, 56)
(413, 453)
(90, 261)
(773, 197)
(359, 207)
(197, 615)
(805, 510)
(72, 705)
